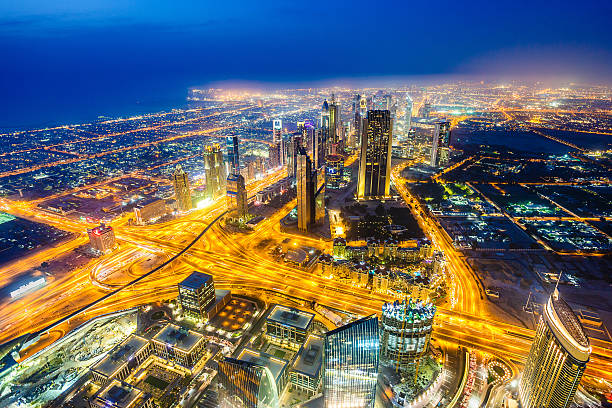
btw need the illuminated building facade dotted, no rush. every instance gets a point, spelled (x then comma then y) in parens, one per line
(149, 210)
(179, 345)
(288, 327)
(181, 189)
(250, 383)
(408, 115)
(375, 158)
(405, 331)
(334, 122)
(305, 185)
(237, 196)
(557, 359)
(350, 363)
(102, 238)
(214, 169)
(440, 144)
(121, 395)
(233, 155)
(196, 294)
(334, 172)
(277, 131)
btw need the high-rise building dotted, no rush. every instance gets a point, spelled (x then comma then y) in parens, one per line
(440, 144)
(305, 184)
(233, 156)
(214, 169)
(375, 158)
(293, 148)
(102, 238)
(247, 384)
(425, 109)
(308, 135)
(350, 361)
(408, 115)
(325, 115)
(277, 130)
(405, 332)
(237, 196)
(334, 172)
(320, 147)
(388, 102)
(334, 121)
(274, 155)
(182, 192)
(196, 294)
(557, 359)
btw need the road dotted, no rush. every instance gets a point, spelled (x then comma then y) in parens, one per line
(236, 264)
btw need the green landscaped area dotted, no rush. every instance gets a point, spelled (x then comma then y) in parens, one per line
(156, 382)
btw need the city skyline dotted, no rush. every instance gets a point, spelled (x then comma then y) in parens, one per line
(305, 205)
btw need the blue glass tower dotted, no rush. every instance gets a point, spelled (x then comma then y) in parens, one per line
(351, 364)
(232, 155)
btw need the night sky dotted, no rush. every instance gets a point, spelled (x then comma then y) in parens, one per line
(75, 59)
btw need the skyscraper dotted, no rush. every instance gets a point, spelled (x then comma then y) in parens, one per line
(277, 130)
(293, 148)
(214, 169)
(375, 158)
(440, 144)
(405, 333)
(350, 360)
(251, 383)
(325, 115)
(305, 191)
(557, 359)
(233, 156)
(334, 121)
(182, 192)
(237, 196)
(408, 115)
(425, 109)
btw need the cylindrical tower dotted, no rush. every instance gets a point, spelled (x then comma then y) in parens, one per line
(405, 332)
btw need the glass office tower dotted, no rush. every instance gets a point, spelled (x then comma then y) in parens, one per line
(375, 158)
(252, 384)
(351, 364)
(557, 359)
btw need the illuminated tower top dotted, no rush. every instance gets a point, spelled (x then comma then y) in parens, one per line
(558, 357)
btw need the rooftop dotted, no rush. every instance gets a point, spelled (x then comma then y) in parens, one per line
(275, 365)
(289, 316)
(178, 337)
(118, 395)
(196, 280)
(569, 320)
(310, 357)
(120, 355)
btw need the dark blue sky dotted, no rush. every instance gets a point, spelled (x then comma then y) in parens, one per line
(70, 60)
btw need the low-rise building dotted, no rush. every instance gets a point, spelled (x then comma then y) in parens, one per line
(305, 374)
(102, 238)
(149, 210)
(179, 345)
(121, 395)
(120, 361)
(288, 327)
